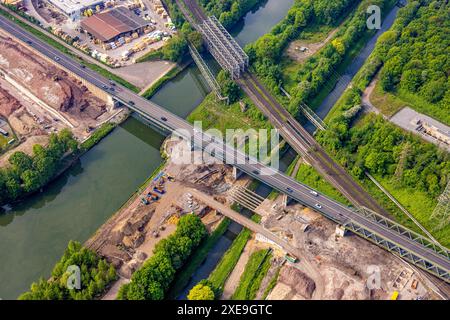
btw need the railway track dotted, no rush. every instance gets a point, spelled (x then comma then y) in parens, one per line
(303, 143)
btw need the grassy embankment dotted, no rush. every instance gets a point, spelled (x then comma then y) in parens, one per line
(220, 274)
(255, 270)
(390, 103)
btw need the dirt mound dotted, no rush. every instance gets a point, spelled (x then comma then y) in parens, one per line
(8, 104)
(47, 82)
(304, 285)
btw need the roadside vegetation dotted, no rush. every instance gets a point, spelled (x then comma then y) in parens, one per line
(154, 278)
(415, 172)
(26, 173)
(255, 270)
(309, 176)
(96, 274)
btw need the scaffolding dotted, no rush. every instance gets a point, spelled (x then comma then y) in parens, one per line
(247, 198)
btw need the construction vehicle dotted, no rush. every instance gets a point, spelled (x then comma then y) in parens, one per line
(153, 196)
(394, 295)
(159, 190)
(291, 258)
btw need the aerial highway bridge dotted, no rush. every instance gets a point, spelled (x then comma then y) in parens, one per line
(233, 59)
(385, 233)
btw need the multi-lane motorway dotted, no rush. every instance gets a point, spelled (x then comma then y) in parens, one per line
(278, 180)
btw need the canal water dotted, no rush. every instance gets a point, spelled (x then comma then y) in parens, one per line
(34, 233)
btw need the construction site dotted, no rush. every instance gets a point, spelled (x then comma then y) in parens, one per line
(37, 99)
(328, 263)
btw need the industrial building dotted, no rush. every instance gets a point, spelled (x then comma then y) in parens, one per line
(113, 24)
(74, 8)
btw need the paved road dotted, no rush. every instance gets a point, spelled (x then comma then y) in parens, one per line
(273, 178)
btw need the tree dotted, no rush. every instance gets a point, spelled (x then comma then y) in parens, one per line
(196, 39)
(229, 88)
(201, 292)
(175, 49)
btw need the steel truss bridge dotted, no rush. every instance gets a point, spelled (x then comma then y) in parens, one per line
(227, 52)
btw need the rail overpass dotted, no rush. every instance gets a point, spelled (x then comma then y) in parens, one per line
(385, 233)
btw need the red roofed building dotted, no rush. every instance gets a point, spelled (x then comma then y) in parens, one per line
(111, 25)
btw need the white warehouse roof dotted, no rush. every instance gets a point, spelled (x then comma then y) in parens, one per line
(72, 6)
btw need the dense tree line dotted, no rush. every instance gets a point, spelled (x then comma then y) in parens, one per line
(95, 275)
(375, 145)
(29, 173)
(416, 58)
(266, 52)
(229, 11)
(153, 279)
(380, 148)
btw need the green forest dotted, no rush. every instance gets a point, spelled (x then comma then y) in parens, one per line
(413, 170)
(154, 278)
(266, 53)
(29, 173)
(229, 11)
(95, 276)
(416, 58)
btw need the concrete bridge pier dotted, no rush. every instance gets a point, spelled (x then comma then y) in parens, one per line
(237, 173)
(285, 200)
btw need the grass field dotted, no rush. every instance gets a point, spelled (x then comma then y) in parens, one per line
(389, 103)
(214, 114)
(309, 176)
(229, 260)
(255, 270)
(272, 284)
(420, 205)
